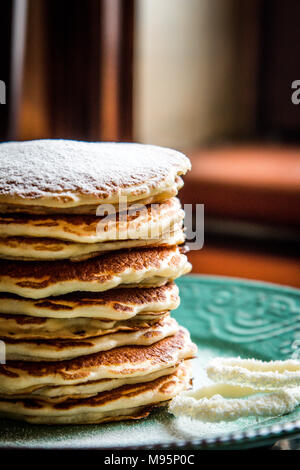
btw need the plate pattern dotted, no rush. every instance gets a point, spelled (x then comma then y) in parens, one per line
(261, 319)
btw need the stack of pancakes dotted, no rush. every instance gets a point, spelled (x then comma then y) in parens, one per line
(86, 282)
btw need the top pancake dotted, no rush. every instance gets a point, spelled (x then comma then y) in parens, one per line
(55, 175)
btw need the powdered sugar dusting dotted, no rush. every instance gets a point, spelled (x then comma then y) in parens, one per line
(64, 168)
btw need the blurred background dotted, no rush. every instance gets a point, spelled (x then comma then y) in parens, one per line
(210, 77)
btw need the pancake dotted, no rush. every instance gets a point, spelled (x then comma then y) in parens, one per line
(123, 362)
(142, 267)
(61, 350)
(23, 327)
(92, 209)
(31, 249)
(100, 418)
(55, 175)
(116, 304)
(56, 394)
(144, 223)
(129, 401)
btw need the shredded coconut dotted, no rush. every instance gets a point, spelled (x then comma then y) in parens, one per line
(218, 408)
(245, 387)
(261, 375)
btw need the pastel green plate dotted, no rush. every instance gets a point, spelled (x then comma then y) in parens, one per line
(226, 317)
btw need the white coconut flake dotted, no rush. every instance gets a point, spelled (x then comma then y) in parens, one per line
(218, 408)
(259, 374)
(243, 388)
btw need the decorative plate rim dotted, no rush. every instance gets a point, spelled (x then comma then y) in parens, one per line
(236, 437)
(266, 433)
(240, 280)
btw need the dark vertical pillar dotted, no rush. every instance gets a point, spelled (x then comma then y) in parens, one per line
(89, 57)
(73, 61)
(5, 62)
(117, 20)
(126, 71)
(278, 116)
(12, 45)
